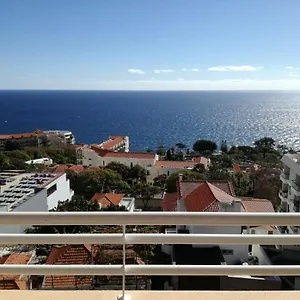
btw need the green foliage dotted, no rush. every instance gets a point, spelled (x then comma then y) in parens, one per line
(199, 168)
(99, 181)
(264, 145)
(242, 184)
(121, 169)
(186, 175)
(224, 147)
(161, 151)
(180, 146)
(205, 145)
(137, 174)
(160, 181)
(144, 192)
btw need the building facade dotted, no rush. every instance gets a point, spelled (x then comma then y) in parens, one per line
(65, 136)
(290, 189)
(20, 140)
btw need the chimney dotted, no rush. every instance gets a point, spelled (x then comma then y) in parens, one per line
(180, 177)
(236, 205)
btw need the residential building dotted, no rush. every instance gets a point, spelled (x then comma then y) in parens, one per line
(116, 144)
(290, 189)
(96, 156)
(65, 136)
(37, 138)
(112, 199)
(218, 196)
(28, 192)
(14, 282)
(166, 167)
(40, 161)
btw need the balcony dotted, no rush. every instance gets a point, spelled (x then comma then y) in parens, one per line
(295, 187)
(149, 218)
(283, 195)
(284, 177)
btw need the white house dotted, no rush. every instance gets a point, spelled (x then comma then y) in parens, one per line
(217, 196)
(33, 193)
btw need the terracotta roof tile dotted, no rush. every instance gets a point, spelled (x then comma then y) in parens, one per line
(257, 205)
(21, 135)
(107, 199)
(69, 255)
(18, 259)
(61, 168)
(236, 168)
(112, 142)
(201, 160)
(77, 168)
(170, 201)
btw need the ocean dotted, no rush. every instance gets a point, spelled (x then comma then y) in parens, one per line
(154, 118)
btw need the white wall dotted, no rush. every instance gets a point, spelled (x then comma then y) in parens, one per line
(62, 193)
(260, 253)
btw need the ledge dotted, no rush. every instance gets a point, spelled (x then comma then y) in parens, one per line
(149, 295)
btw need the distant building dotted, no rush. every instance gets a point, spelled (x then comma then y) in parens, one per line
(40, 161)
(290, 189)
(116, 144)
(111, 199)
(32, 139)
(65, 136)
(33, 193)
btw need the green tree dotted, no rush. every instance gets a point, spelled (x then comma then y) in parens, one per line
(121, 169)
(264, 145)
(205, 145)
(12, 145)
(90, 182)
(4, 161)
(171, 185)
(180, 146)
(144, 192)
(137, 174)
(224, 147)
(161, 151)
(160, 181)
(199, 168)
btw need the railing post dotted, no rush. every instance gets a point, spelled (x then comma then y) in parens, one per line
(123, 297)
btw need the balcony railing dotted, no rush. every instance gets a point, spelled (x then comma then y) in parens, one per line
(295, 185)
(284, 176)
(150, 218)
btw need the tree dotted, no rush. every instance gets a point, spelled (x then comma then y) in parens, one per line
(121, 169)
(137, 174)
(224, 147)
(145, 192)
(160, 180)
(161, 151)
(171, 185)
(169, 155)
(90, 182)
(149, 150)
(264, 145)
(180, 146)
(199, 168)
(205, 145)
(12, 145)
(4, 161)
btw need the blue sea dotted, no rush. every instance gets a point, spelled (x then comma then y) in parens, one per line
(152, 118)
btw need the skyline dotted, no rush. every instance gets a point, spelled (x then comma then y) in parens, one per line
(162, 45)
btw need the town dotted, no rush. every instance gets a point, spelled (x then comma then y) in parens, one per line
(46, 171)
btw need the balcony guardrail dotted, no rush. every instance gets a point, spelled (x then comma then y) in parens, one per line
(284, 176)
(295, 185)
(149, 218)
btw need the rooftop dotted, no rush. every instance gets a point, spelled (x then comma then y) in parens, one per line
(22, 135)
(107, 199)
(112, 142)
(23, 188)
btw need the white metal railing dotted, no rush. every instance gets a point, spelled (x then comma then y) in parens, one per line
(149, 218)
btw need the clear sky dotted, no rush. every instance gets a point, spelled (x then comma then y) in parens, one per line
(149, 44)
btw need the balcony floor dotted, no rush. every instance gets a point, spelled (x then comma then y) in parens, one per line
(148, 295)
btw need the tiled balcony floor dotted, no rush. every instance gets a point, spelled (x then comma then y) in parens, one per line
(147, 295)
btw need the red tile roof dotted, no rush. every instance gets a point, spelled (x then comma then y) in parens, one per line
(170, 201)
(204, 196)
(69, 255)
(13, 282)
(201, 160)
(236, 168)
(257, 205)
(22, 135)
(105, 153)
(63, 168)
(107, 199)
(112, 142)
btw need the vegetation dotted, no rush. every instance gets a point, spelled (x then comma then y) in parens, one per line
(202, 146)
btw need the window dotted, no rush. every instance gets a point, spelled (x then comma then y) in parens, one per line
(227, 251)
(51, 190)
(131, 165)
(168, 173)
(103, 163)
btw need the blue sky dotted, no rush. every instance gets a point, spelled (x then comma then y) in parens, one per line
(157, 44)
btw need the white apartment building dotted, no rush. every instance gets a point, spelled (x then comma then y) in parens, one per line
(116, 143)
(33, 193)
(66, 136)
(290, 190)
(216, 196)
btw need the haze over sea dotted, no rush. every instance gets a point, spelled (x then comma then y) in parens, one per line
(153, 118)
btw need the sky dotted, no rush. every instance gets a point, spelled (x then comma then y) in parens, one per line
(150, 45)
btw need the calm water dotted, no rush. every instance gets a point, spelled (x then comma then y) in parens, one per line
(154, 118)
